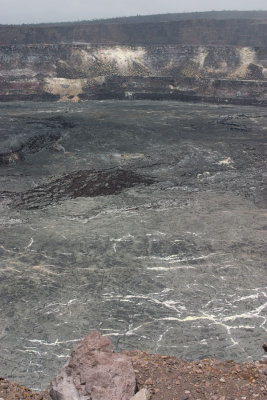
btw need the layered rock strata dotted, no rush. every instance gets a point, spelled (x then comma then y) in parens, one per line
(216, 61)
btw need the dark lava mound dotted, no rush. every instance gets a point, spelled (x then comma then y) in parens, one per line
(84, 183)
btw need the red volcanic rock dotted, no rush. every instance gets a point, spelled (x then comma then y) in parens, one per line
(94, 372)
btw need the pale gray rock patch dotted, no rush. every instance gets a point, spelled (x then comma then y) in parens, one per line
(143, 394)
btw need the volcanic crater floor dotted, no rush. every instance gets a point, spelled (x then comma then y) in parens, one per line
(143, 220)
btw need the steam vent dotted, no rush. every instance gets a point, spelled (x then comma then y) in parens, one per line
(217, 57)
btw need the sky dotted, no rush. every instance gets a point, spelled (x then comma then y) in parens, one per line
(35, 11)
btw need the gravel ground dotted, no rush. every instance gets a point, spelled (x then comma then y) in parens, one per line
(168, 378)
(171, 379)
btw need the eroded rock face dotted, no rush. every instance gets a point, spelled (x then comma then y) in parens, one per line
(216, 72)
(213, 60)
(94, 372)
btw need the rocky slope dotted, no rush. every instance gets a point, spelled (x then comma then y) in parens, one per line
(213, 60)
(95, 372)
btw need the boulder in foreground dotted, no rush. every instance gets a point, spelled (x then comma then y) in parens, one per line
(94, 372)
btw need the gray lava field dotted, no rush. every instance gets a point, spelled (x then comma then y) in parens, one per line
(144, 220)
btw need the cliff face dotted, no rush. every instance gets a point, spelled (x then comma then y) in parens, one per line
(217, 61)
(234, 32)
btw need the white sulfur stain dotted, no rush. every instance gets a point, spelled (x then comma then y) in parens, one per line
(44, 269)
(113, 334)
(201, 56)
(58, 147)
(11, 221)
(161, 338)
(126, 301)
(193, 233)
(124, 58)
(106, 329)
(167, 303)
(243, 327)
(211, 318)
(61, 355)
(132, 330)
(125, 238)
(186, 319)
(116, 156)
(32, 351)
(7, 250)
(248, 315)
(156, 233)
(30, 244)
(115, 212)
(217, 319)
(252, 296)
(65, 87)
(127, 156)
(39, 353)
(174, 258)
(166, 290)
(227, 161)
(56, 343)
(247, 55)
(170, 268)
(62, 304)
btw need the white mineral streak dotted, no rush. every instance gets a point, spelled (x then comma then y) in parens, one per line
(56, 343)
(125, 238)
(175, 258)
(227, 322)
(10, 221)
(227, 161)
(30, 244)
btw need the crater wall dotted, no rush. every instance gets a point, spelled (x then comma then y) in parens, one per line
(217, 61)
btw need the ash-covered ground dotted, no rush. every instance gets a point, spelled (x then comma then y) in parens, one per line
(144, 220)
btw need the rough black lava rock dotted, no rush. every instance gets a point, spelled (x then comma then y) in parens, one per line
(84, 183)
